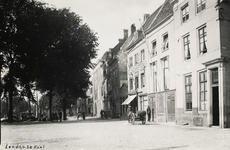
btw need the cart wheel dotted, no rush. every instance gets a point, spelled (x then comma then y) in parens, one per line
(143, 121)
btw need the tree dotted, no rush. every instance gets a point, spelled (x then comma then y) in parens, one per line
(44, 48)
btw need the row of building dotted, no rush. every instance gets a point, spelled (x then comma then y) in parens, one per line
(177, 63)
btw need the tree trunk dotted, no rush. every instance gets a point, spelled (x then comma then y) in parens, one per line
(50, 103)
(64, 109)
(10, 114)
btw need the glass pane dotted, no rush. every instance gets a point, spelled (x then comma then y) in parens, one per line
(205, 76)
(202, 87)
(202, 105)
(205, 105)
(202, 96)
(187, 89)
(201, 76)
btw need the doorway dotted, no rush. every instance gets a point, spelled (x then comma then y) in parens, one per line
(215, 105)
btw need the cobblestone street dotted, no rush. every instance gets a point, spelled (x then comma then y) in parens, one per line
(94, 133)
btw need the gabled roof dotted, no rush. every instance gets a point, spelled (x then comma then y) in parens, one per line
(157, 18)
(118, 46)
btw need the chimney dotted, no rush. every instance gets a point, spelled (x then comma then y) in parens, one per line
(133, 28)
(125, 33)
(146, 17)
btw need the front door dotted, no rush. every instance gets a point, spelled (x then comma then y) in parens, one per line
(215, 104)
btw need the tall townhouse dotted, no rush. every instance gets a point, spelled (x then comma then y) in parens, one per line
(104, 86)
(97, 79)
(117, 77)
(202, 50)
(151, 65)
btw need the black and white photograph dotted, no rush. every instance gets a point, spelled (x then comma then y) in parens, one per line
(115, 74)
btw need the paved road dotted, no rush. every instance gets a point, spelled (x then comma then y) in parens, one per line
(97, 134)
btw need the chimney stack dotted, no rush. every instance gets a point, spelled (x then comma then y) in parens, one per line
(133, 28)
(146, 17)
(125, 33)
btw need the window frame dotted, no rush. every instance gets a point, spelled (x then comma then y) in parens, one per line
(186, 46)
(142, 80)
(188, 102)
(131, 83)
(154, 71)
(165, 42)
(165, 70)
(154, 50)
(136, 82)
(185, 13)
(142, 55)
(203, 91)
(136, 58)
(130, 61)
(200, 6)
(202, 39)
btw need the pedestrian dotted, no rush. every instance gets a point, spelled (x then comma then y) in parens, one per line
(60, 115)
(101, 114)
(129, 110)
(149, 113)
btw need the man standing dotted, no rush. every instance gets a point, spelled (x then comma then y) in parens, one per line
(129, 112)
(149, 113)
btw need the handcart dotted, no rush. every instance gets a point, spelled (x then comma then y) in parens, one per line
(139, 116)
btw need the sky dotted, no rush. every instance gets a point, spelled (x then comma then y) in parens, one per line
(108, 18)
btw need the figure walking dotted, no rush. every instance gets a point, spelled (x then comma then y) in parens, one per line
(149, 113)
(60, 115)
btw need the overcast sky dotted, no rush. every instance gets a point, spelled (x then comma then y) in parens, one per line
(108, 18)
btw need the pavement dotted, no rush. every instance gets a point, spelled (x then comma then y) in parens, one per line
(95, 133)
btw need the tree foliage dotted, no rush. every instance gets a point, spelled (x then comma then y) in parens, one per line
(44, 48)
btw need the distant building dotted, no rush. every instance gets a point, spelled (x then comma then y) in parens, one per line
(97, 79)
(117, 76)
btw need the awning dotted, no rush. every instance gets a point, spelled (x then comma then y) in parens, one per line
(128, 100)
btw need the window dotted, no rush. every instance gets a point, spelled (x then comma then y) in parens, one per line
(136, 58)
(154, 77)
(136, 82)
(142, 55)
(154, 48)
(165, 73)
(185, 13)
(188, 92)
(202, 40)
(142, 80)
(130, 61)
(200, 5)
(165, 42)
(131, 83)
(187, 54)
(203, 90)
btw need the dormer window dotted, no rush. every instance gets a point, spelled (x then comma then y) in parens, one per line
(165, 42)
